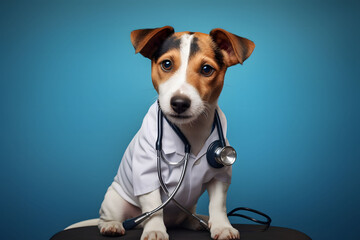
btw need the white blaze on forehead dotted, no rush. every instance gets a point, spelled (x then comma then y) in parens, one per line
(177, 82)
(179, 77)
(184, 54)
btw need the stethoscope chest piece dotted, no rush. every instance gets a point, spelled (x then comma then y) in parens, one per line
(219, 156)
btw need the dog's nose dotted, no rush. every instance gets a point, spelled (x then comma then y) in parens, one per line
(180, 103)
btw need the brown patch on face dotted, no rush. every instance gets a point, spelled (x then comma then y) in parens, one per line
(158, 75)
(209, 87)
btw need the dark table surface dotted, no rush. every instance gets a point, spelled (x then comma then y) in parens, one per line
(247, 232)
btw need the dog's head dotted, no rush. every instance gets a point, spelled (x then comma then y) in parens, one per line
(188, 68)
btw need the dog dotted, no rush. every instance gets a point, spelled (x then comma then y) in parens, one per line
(187, 70)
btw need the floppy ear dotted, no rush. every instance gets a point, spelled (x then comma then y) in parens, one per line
(147, 41)
(237, 48)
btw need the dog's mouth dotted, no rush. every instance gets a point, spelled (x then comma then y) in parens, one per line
(178, 116)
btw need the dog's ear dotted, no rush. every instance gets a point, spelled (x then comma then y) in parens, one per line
(147, 41)
(237, 48)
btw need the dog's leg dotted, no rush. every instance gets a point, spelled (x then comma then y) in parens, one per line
(154, 228)
(114, 210)
(219, 224)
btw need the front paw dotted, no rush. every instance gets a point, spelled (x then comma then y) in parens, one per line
(224, 232)
(154, 235)
(111, 228)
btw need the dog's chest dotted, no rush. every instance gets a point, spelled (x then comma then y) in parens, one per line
(138, 175)
(198, 173)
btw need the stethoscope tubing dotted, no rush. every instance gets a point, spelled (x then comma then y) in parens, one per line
(174, 164)
(266, 223)
(176, 188)
(133, 222)
(165, 189)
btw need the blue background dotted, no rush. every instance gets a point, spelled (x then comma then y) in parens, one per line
(73, 94)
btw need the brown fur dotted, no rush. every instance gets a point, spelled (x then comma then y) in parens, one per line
(209, 87)
(157, 74)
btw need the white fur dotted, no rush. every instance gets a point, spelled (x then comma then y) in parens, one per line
(177, 84)
(154, 228)
(220, 227)
(90, 222)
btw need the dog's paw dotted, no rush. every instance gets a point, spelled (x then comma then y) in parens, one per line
(154, 235)
(224, 233)
(111, 228)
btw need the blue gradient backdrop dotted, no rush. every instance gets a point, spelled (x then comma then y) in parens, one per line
(73, 94)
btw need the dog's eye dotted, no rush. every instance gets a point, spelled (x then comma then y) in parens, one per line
(166, 65)
(207, 70)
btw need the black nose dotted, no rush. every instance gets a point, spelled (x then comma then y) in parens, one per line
(180, 103)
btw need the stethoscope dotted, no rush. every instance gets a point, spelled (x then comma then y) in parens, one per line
(218, 155)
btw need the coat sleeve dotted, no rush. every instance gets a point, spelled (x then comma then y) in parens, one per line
(144, 162)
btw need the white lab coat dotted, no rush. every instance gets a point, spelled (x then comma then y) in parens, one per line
(137, 172)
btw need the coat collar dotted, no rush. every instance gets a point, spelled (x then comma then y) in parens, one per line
(171, 142)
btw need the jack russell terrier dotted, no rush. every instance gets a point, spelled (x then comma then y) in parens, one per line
(188, 70)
